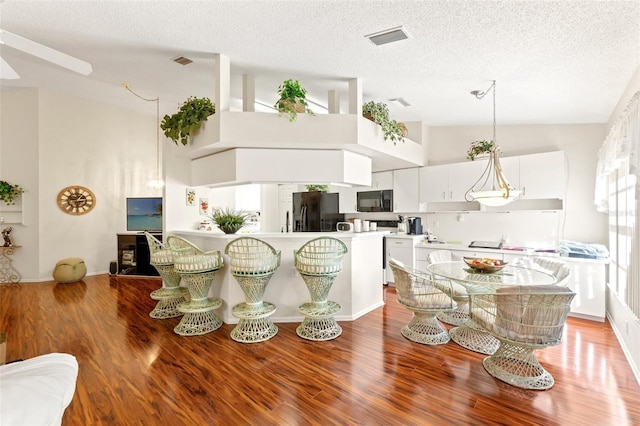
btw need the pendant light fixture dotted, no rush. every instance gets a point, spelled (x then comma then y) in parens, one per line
(492, 188)
(156, 183)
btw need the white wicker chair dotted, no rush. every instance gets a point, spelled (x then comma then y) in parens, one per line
(418, 292)
(253, 262)
(319, 261)
(460, 295)
(523, 318)
(198, 269)
(171, 294)
(551, 265)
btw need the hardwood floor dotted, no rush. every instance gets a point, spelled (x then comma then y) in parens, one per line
(136, 370)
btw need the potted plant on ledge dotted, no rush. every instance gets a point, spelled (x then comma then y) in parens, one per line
(229, 220)
(480, 149)
(378, 112)
(190, 116)
(9, 192)
(293, 99)
(316, 187)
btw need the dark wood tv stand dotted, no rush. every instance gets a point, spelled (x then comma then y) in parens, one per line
(133, 254)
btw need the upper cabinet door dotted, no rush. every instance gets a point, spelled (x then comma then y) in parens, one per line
(543, 175)
(434, 184)
(348, 198)
(405, 190)
(511, 170)
(462, 176)
(382, 180)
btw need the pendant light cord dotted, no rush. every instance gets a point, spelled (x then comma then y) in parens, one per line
(157, 101)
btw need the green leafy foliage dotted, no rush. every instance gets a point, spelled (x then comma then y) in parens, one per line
(478, 148)
(314, 187)
(9, 192)
(190, 116)
(378, 112)
(229, 220)
(292, 95)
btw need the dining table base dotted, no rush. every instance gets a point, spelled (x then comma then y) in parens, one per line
(471, 337)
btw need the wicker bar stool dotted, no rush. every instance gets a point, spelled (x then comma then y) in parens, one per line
(170, 295)
(253, 262)
(198, 269)
(319, 261)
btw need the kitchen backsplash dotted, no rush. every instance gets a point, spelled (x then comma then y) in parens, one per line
(539, 229)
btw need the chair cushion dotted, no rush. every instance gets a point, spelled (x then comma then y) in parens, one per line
(531, 313)
(38, 390)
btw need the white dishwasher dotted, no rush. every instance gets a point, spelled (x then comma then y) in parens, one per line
(401, 247)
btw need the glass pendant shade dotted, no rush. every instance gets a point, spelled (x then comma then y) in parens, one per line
(493, 189)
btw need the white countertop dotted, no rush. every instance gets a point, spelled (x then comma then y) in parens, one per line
(278, 235)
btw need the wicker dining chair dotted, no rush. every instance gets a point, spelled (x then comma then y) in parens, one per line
(253, 263)
(170, 295)
(459, 294)
(420, 293)
(318, 262)
(198, 270)
(551, 265)
(523, 319)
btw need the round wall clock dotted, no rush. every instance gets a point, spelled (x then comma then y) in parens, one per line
(76, 200)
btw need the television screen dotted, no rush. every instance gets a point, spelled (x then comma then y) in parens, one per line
(144, 214)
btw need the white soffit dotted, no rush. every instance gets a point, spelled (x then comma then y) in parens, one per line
(243, 165)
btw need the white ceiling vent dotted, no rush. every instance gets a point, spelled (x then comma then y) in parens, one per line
(387, 36)
(399, 102)
(182, 60)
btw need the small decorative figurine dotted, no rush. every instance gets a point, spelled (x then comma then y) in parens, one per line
(6, 234)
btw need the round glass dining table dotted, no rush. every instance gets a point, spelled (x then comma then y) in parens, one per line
(470, 335)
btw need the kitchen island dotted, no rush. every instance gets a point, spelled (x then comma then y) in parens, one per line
(357, 288)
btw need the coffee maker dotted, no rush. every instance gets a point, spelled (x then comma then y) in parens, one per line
(414, 226)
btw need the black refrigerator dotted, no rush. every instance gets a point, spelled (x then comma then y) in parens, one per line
(316, 211)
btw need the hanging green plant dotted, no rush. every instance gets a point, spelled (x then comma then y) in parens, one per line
(293, 99)
(190, 116)
(479, 148)
(378, 112)
(9, 192)
(315, 187)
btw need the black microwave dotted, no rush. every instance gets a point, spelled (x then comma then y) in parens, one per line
(375, 201)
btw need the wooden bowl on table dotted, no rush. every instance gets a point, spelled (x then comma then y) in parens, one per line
(484, 264)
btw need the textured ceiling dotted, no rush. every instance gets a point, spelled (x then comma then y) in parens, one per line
(554, 61)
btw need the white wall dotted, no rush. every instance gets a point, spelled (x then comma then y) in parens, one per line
(76, 142)
(580, 142)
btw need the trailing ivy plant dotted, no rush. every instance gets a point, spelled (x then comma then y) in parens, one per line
(479, 148)
(293, 99)
(9, 192)
(378, 112)
(314, 187)
(190, 116)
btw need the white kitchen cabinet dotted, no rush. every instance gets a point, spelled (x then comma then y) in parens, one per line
(542, 176)
(588, 281)
(401, 249)
(511, 170)
(382, 180)
(406, 184)
(448, 182)
(434, 183)
(348, 198)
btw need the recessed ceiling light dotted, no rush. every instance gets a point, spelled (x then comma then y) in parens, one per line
(387, 36)
(182, 60)
(399, 102)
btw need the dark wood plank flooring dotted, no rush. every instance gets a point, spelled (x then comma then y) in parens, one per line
(134, 370)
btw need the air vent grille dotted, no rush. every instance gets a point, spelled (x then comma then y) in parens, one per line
(182, 60)
(388, 36)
